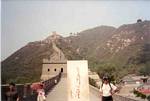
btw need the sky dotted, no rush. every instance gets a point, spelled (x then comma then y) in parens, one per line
(24, 21)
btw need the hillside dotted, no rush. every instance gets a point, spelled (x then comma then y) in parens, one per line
(107, 44)
(118, 51)
(87, 42)
(25, 65)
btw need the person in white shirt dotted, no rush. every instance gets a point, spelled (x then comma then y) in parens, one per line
(107, 89)
(41, 94)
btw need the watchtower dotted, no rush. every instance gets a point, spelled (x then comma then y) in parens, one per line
(56, 63)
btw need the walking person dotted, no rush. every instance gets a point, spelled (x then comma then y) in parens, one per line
(12, 94)
(41, 94)
(107, 89)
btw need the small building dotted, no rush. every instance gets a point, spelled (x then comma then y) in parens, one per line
(144, 79)
(134, 79)
(139, 20)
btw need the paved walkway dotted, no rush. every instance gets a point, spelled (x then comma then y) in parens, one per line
(59, 92)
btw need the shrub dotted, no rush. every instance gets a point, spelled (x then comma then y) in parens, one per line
(143, 96)
(92, 82)
(148, 98)
(139, 94)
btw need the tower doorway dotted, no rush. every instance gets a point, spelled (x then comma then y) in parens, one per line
(62, 70)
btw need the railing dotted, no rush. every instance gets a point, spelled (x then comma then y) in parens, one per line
(48, 84)
(26, 93)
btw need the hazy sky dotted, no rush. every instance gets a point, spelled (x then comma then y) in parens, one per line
(31, 20)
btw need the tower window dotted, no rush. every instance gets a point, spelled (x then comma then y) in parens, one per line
(55, 69)
(48, 70)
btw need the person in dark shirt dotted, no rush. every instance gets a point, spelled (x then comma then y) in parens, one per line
(12, 94)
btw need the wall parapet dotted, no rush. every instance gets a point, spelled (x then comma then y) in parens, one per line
(26, 93)
(47, 61)
(116, 97)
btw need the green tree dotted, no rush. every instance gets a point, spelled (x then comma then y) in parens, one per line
(148, 98)
(145, 70)
(92, 82)
(144, 56)
(108, 69)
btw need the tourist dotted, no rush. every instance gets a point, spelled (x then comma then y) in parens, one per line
(107, 89)
(12, 94)
(55, 81)
(41, 93)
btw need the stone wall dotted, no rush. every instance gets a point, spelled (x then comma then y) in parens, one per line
(121, 98)
(26, 93)
(95, 91)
